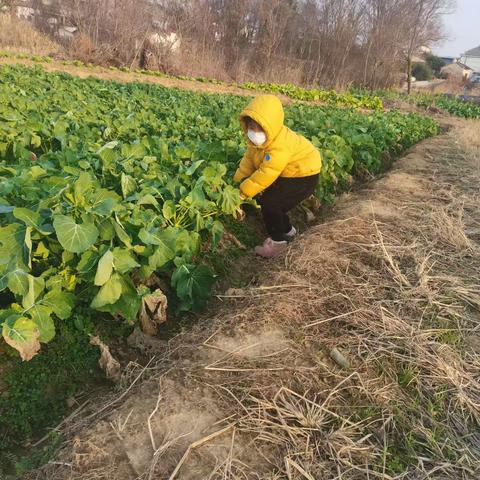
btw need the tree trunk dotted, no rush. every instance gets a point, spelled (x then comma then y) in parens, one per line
(409, 74)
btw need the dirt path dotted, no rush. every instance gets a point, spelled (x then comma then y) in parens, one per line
(356, 355)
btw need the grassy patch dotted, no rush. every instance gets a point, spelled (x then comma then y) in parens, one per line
(36, 392)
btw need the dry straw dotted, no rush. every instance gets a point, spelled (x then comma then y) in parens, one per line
(395, 288)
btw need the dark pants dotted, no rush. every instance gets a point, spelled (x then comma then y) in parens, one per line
(279, 198)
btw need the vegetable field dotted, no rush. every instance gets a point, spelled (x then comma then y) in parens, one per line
(454, 105)
(330, 97)
(359, 99)
(103, 184)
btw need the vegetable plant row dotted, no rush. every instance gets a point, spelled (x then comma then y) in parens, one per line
(359, 99)
(455, 105)
(330, 97)
(102, 184)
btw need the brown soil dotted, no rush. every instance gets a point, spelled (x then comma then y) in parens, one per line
(356, 355)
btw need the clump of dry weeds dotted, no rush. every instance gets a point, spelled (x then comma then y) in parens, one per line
(19, 36)
(468, 135)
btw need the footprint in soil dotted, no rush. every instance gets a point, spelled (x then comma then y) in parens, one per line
(146, 344)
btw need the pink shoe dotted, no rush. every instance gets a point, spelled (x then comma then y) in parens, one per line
(271, 248)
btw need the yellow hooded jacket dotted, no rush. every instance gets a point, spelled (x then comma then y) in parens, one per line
(284, 154)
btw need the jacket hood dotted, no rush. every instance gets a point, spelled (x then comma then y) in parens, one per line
(267, 111)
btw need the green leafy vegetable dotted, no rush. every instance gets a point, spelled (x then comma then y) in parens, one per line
(74, 237)
(103, 184)
(193, 284)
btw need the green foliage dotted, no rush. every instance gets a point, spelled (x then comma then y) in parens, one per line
(351, 143)
(100, 181)
(330, 97)
(193, 284)
(422, 71)
(435, 63)
(453, 105)
(16, 466)
(242, 231)
(36, 392)
(458, 107)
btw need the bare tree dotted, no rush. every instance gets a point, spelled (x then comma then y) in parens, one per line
(425, 22)
(115, 28)
(333, 43)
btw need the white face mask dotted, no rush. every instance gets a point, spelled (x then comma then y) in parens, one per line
(257, 138)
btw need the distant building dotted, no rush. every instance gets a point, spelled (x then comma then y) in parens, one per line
(420, 56)
(457, 71)
(471, 58)
(65, 32)
(449, 60)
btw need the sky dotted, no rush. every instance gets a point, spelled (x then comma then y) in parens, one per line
(462, 28)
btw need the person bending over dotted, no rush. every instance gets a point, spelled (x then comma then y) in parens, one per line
(280, 167)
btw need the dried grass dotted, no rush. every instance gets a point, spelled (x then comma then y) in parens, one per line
(19, 36)
(398, 295)
(468, 136)
(449, 226)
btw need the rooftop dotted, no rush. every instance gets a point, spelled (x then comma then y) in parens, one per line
(474, 52)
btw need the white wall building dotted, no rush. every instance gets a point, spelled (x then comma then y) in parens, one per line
(471, 59)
